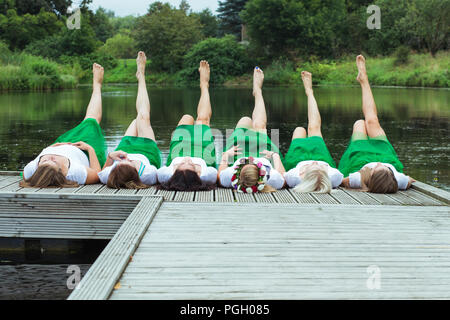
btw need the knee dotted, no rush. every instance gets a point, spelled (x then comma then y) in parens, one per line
(359, 125)
(245, 122)
(299, 132)
(143, 116)
(372, 122)
(187, 119)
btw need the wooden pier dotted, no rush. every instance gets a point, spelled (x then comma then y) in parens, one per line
(224, 245)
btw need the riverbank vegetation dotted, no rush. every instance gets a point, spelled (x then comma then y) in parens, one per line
(38, 51)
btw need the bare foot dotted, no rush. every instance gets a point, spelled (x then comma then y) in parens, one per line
(258, 79)
(362, 73)
(307, 81)
(204, 71)
(141, 61)
(98, 73)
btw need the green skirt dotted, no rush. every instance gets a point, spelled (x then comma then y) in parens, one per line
(193, 141)
(88, 131)
(303, 149)
(141, 145)
(251, 142)
(363, 151)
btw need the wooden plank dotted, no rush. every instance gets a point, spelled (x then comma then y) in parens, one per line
(126, 191)
(99, 281)
(284, 196)
(90, 188)
(166, 194)
(434, 192)
(323, 251)
(362, 197)
(8, 181)
(384, 199)
(324, 198)
(224, 195)
(106, 190)
(343, 197)
(244, 197)
(303, 197)
(184, 196)
(422, 198)
(403, 199)
(204, 196)
(147, 192)
(264, 197)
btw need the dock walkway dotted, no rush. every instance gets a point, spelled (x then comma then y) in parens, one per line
(224, 245)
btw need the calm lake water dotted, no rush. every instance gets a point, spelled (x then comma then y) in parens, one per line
(415, 120)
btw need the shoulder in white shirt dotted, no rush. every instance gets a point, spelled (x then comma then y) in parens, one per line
(276, 180)
(402, 179)
(293, 176)
(78, 162)
(208, 174)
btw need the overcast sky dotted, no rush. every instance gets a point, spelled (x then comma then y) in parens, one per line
(140, 7)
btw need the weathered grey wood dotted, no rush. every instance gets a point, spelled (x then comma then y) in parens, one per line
(384, 199)
(343, 197)
(106, 190)
(362, 197)
(422, 198)
(303, 197)
(264, 250)
(264, 197)
(90, 188)
(403, 199)
(126, 191)
(284, 196)
(99, 281)
(183, 196)
(8, 181)
(33, 215)
(167, 195)
(434, 192)
(244, 197)
(204, 196)
(324, 198)
(147, 192)
(224, 195)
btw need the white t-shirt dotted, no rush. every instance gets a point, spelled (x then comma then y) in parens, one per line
(208, 174)
(276, 180)
(147, 177)
(78, 162)
(402, 180)
(293, 178)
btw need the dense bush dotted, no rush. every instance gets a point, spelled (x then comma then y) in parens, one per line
(226, 58)
(121, 46)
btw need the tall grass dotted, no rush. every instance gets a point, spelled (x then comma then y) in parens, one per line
(20, 71)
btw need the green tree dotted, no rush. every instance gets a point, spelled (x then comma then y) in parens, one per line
(121, 46)
(166, 34)
(230, 20)
(296, 27)
(34, 7)
(209, 22)
(429, 23)
(225, 56)
(101, 24)
(18, 31)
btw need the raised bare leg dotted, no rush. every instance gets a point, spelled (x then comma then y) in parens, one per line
(314, 120)
(204, 110)
(259, 116)
(299, 132)
(373, 126)
(132, 129)
(245, 122)
(94, 109)
(143, 125)
(186, 119)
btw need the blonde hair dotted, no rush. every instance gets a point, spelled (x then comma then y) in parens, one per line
(47, 176)
(249, 177)
(316, 181)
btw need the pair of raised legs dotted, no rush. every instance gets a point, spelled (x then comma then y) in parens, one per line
(139, 127)
(370, 126)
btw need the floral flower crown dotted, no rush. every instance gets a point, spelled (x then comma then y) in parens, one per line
(237, 171)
